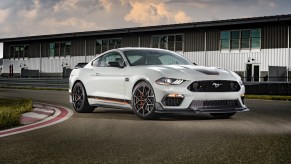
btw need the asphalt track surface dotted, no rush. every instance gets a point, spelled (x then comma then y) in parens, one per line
(262, 135)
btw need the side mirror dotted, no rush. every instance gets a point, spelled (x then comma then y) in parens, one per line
(116, 64)
(195, 64)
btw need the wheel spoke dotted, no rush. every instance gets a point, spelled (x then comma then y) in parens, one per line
(147, 93)
(143, 89)
(143, 99)
(139, 91)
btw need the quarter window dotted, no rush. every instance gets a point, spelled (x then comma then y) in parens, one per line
(95, 63)
(168, 42)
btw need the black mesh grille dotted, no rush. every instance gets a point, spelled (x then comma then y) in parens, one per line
(215, 104)
(214, 86)
(172, 101)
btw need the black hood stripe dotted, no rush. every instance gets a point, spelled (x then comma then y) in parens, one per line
(207, 72)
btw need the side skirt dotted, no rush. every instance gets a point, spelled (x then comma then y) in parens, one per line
(109, 102)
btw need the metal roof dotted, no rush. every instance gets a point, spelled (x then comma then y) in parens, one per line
(193, 25)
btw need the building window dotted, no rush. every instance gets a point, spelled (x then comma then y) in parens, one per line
(168, 42)
(18, 51)
(225, 39)
(103, 45)
(235, 39)
(256, 38)
(60, 49)
(240, 39)
(245, 39)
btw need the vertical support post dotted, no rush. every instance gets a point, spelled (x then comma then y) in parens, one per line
(139, 41)
(269, 73)
(289, 62)
(40, 59)
(85, 51)
(205, 48)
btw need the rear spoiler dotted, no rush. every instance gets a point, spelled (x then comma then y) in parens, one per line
(80, 65)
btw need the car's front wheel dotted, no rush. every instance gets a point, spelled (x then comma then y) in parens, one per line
(143, 101)
(79, 99)
(222, 115)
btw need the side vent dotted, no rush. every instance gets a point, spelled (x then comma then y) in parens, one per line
(80, 65)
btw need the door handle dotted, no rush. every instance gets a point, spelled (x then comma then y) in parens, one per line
(95, 74)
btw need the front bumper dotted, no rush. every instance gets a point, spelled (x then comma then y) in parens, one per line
(215, 101)
(160, 109)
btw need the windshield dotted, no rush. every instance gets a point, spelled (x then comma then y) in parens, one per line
(154, 57)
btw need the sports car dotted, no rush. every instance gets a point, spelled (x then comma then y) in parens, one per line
(153, 81)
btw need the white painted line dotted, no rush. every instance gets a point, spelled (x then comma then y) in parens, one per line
(43, 110)
(34, 115)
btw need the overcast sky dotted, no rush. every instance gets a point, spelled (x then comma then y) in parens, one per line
(38, 17)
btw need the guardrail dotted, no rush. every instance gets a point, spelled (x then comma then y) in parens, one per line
(35, 82)
(257, 88)
(268, 88)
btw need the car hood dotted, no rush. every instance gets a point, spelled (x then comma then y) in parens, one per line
(189, 72)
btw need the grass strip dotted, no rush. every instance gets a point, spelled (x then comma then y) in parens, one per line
(10, 111)
(269, 97)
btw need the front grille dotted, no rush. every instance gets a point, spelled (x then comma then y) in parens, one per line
(215, 104)
(172, 101)
(214, 86)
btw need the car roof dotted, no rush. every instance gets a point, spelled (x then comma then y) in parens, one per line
(139, 48)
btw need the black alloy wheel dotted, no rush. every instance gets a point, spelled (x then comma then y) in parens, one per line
(79, 99)
(143, 101)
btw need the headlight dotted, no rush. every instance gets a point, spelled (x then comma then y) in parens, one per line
(169, 81)
(237, 77)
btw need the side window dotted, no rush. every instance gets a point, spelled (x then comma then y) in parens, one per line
(110, 57)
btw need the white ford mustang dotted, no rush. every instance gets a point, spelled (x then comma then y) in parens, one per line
(152, 81)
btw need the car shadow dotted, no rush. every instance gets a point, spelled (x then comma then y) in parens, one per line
(185, 117)
(129, 115)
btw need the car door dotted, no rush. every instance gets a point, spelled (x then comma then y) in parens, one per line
(108, 81)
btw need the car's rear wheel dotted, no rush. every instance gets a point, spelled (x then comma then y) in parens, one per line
(79, 99)
(222, 115)
(143, 101)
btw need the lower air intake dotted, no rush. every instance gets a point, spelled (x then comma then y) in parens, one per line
(215, 104)
(172, 101)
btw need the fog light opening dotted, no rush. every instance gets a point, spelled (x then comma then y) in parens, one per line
(173, 99)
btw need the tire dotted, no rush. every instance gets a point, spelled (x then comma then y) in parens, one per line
(222, 115)
(80, 100)
(143, 101)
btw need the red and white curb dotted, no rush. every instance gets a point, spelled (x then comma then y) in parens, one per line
(38, 113)
(60, 114)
